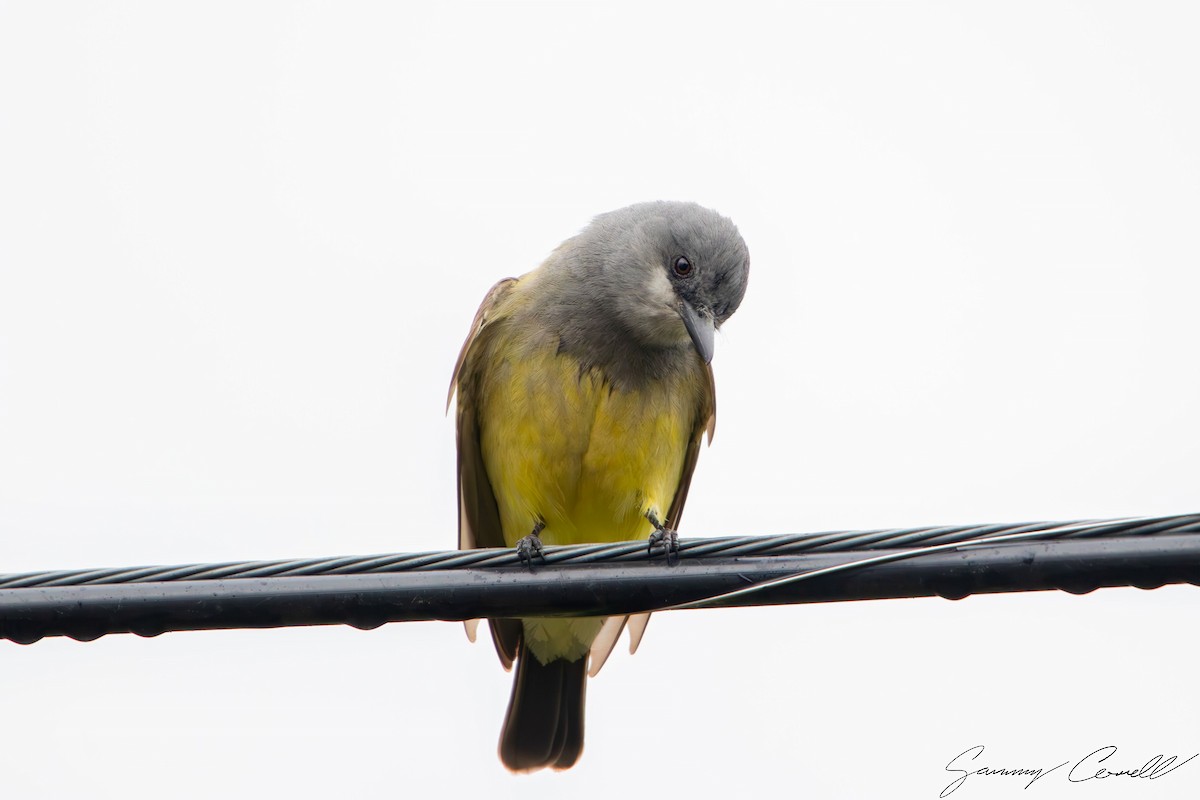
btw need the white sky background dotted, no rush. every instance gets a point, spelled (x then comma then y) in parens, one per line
(240, 245)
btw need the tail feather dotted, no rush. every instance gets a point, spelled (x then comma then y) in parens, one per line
(544, 724)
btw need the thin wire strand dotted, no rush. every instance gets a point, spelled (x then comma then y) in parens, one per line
(888, 558)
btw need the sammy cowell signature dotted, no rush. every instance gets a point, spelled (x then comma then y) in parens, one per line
(1094, 766)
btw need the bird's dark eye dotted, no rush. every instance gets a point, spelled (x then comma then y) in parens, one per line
(682, 267)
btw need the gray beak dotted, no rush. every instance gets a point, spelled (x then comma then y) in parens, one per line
(700, 327)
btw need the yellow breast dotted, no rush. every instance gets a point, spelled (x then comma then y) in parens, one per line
(563, 447)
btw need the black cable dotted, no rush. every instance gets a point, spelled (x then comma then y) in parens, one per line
(587, 580)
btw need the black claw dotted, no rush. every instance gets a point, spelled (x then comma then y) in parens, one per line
(530, 547)
(665, 538)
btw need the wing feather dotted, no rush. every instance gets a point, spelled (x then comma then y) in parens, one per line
(706, 422)
(478, 513)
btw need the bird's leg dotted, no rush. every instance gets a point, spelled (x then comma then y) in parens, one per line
(529, 547)
(663, 537)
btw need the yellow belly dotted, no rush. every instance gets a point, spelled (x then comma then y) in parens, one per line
(566, 449)
(586, 460)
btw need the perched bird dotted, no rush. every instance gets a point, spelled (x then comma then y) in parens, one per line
(584, 388)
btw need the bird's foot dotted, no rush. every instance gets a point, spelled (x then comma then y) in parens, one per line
(530, 547)
(663, 537)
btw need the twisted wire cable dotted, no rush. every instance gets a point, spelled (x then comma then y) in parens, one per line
(916, 540)
(603, 579)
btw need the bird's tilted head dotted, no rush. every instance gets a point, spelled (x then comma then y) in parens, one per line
(669, 272)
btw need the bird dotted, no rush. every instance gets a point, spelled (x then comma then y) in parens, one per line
(584, 388)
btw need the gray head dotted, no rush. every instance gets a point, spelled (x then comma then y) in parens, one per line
(667, 274)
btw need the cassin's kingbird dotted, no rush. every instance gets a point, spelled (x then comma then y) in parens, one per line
(584, 388)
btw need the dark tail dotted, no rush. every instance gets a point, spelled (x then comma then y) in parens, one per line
(544, 724)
